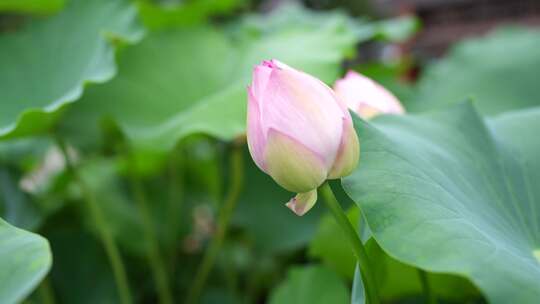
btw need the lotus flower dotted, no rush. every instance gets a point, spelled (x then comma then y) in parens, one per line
(298, 131)
(366, 97)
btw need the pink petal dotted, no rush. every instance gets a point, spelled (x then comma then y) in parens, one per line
(304, 108)
(302, 202)
(255, 137)
(261, 74)
(365, 96)
(291, 164)
(348, 153)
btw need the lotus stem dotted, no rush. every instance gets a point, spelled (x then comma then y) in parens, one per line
(355, 242)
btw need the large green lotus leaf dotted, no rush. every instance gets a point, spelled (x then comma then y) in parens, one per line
(193, 80)
(31, 6)
(395, 280)
(499, 71)
(310, 284)
(400, 281)
(25, 258)
(171, 84)
(46, 63)
(448, 192)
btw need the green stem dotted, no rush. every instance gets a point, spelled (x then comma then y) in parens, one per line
(237, 170)
(109, 244)
(426, 288)
(357, 246)
(46, 293)
(154, 255)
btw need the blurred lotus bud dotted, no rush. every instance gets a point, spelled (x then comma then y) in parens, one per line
(366, 97)
(298, 131)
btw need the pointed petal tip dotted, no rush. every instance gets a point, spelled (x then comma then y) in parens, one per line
(302, 202)
(274, 64)
(268, 63)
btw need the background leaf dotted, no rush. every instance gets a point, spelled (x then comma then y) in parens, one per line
(498, 71)
(310, 284)
(25, 258)
(448, 193)
(169, 15)
(16, 206)
(31, 6)
(35, 85)
(186, 89)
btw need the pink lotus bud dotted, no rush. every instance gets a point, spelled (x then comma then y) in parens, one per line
(366, 97)
(298, 131)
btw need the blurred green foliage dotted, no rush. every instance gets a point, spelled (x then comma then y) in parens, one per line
(180, 13)
(155, 91)
(31, 6)
(498, 72)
